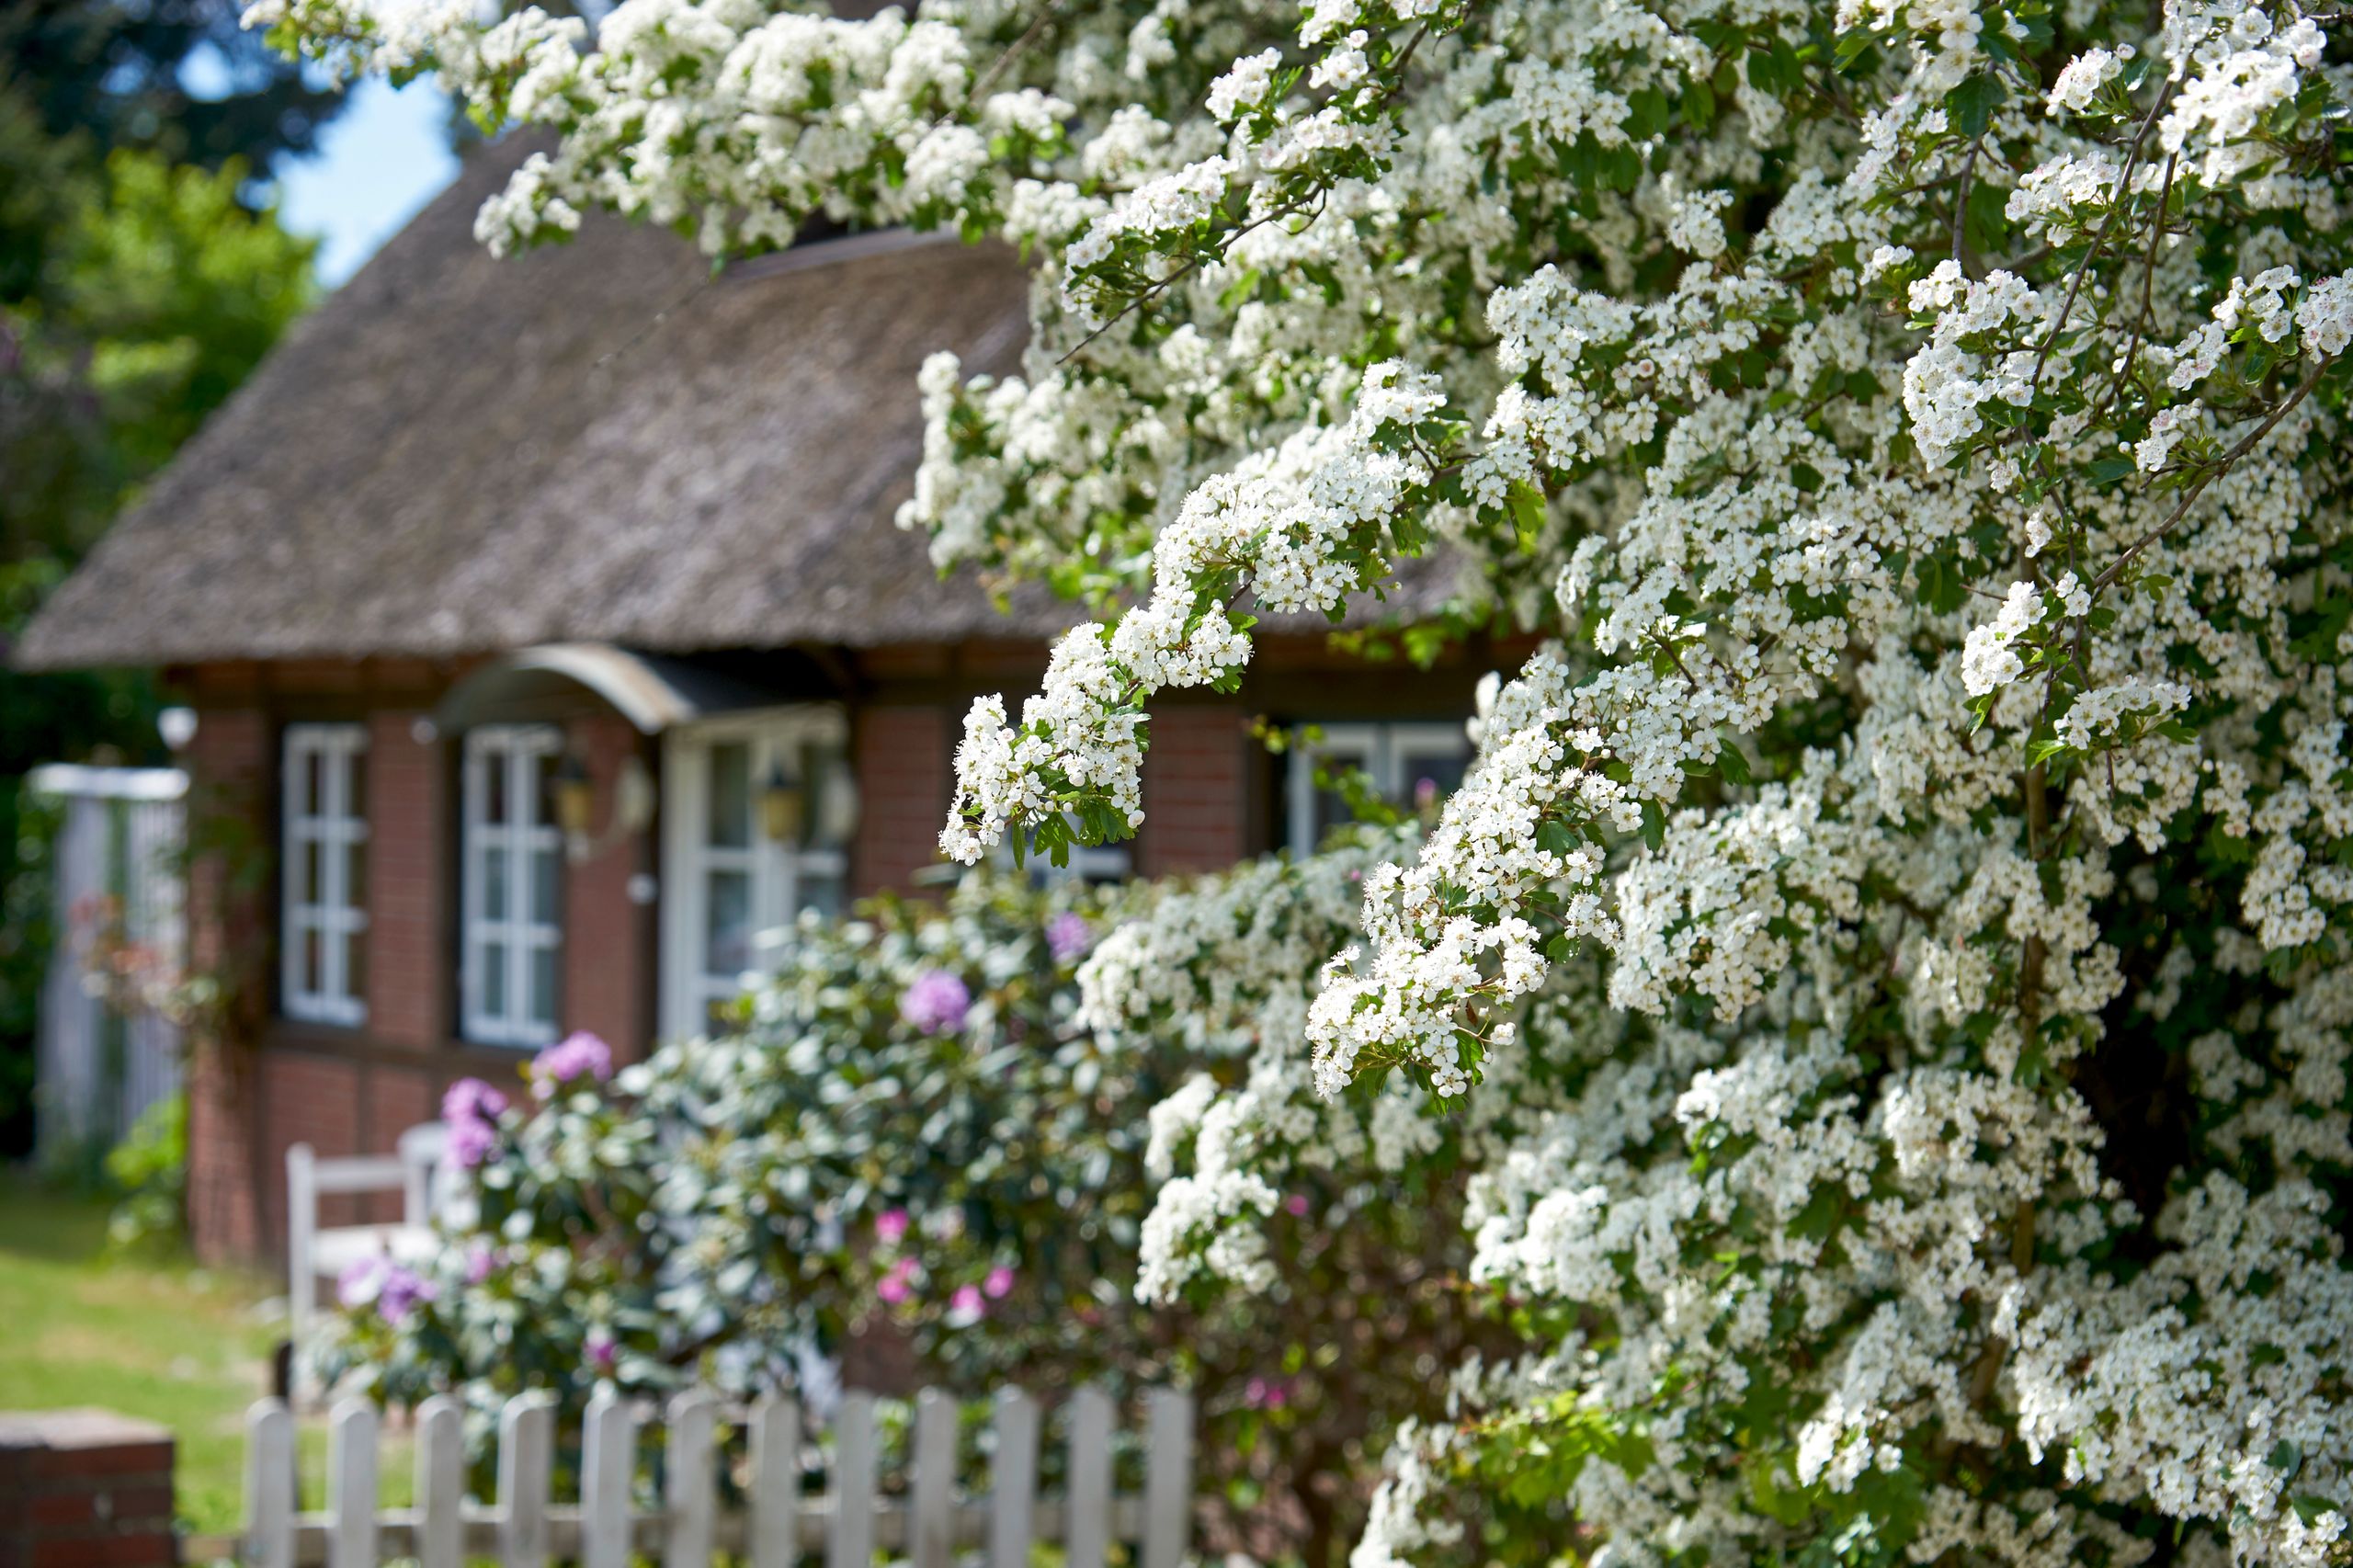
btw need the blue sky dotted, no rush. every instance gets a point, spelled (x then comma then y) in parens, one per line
(386, 155)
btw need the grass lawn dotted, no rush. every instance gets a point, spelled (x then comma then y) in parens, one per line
(159, 1339)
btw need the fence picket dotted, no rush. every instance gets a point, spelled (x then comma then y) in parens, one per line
(773, 1531)
(269, 1485)
(1168, 1477)
(526, 1462)
(608, 1457)
(440, 1484)
(932, 1528)
(689, 1488)
(772, 1527)
(351, 1485)
(1088, 1541)
(852, 1542)
(1013, 1496)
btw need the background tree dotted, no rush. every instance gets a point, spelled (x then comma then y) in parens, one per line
(142, 277)
(178, 78)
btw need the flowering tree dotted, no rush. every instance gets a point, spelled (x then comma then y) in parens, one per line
(1917, 427)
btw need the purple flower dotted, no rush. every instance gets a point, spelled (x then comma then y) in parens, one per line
(395, 1290)
(1296, 1205)
(471, 1110)
(603, 1351)
(402, 1291)
(998, 1284)
(1267, 1394)
(889, 1225)
(936, 1003)
(1068, 936)
(480, 1261)
(894, 1286)
(578, 1055)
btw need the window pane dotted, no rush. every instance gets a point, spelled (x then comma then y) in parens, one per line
(355, 767)
(309, 870)
(494, 792)
(1428, 777)
(822, 891)
(727, 929)
(355, 876)
(544, 889)
(543, 985)
(355, 966)
(730, 795)
(494, 978)
(494, 882)
(313, 958)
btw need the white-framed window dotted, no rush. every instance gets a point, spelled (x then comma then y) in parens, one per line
(323, 975)
(1409, 764)
(731, 879)
(511, 885)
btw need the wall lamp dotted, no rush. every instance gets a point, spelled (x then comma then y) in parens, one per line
(575, 806)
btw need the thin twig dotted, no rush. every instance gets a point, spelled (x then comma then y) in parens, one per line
(2220, 466)
(2116, 205)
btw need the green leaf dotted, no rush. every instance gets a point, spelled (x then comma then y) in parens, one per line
(1971, 104)
(1528, 514)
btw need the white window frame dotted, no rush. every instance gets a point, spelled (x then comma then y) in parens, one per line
(517, 749)
(777, 870)
(331, 824)
(1380, 749)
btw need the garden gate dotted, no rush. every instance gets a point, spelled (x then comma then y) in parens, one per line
(99, 1064)
(616, 1519)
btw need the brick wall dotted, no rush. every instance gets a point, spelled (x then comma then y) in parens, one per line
(85, 1489)
(1195, 780)
(904, 764)
(229, 768)
(408, 959)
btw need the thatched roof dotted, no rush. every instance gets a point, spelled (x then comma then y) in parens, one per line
(456, 454)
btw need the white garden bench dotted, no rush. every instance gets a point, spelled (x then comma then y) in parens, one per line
(313, 1253)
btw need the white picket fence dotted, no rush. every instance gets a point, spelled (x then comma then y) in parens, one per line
(929, 1525)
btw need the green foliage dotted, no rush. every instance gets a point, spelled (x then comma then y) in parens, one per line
(148, 1172)
(179, 78)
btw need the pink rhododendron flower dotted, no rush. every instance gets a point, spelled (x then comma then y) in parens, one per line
(890, 1227)
(999, 1283)
(936, 1002)
(1068, 936)
(578, 1055)
(471, 1110)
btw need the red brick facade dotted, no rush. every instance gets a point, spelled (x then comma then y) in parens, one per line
(269, 1082)
(1195, 794)
(903, 761)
